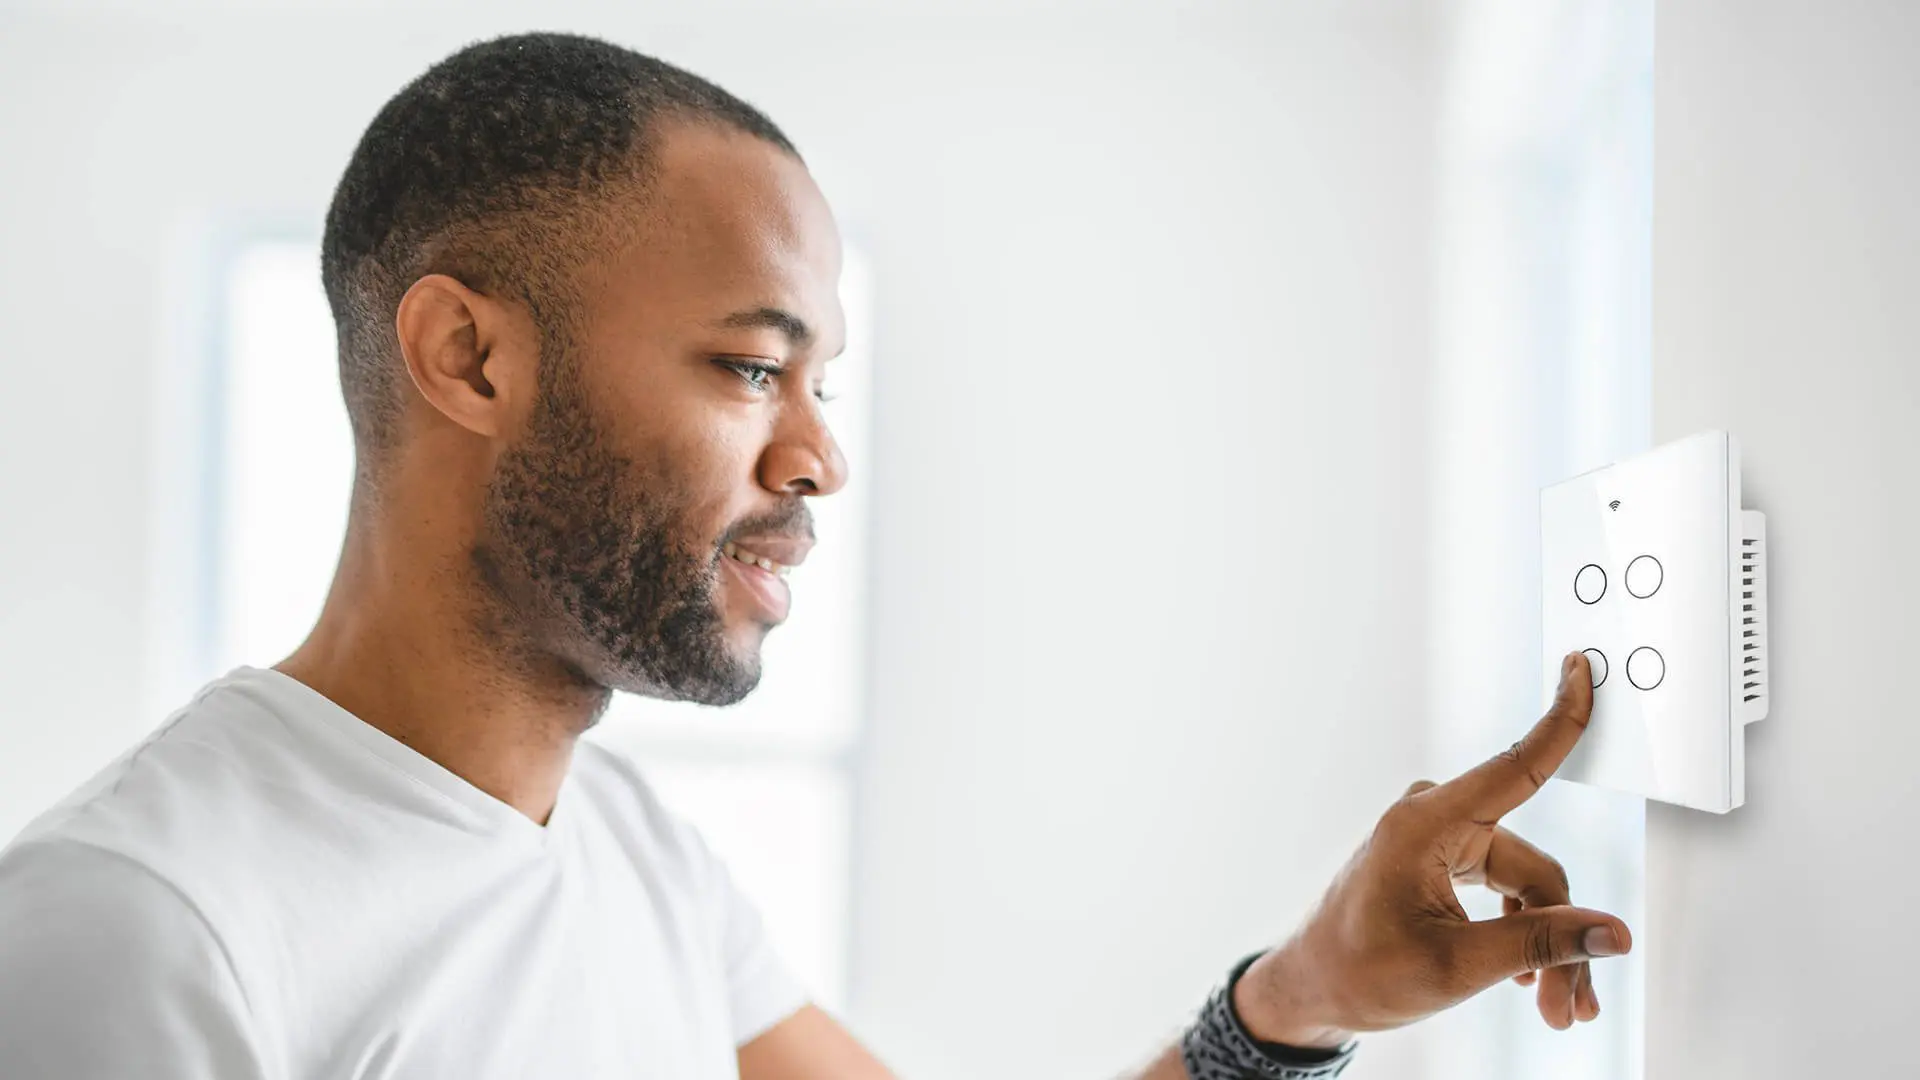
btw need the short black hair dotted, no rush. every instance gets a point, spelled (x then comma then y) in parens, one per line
(487, 167)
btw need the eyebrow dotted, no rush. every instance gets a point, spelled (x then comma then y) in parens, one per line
(793, 326)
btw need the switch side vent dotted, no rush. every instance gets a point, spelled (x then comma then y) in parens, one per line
(1750, 620)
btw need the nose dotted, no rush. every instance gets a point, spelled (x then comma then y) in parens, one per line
(803, 458)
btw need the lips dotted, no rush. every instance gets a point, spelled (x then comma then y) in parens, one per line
(760, 563)
(734, 551)
(765, 588)
(771, 552)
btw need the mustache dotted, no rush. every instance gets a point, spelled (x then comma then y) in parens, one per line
(793, 520)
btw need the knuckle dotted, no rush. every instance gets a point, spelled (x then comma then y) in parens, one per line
(1567, 712)
(1403, 818)
(1537, 947)
(1539, 896)
(1391, 824)
(1516, 757)
(1560, 876)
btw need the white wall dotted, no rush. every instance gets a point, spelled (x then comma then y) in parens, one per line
(1780, 940)
(1148, 595)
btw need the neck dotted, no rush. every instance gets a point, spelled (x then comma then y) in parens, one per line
(404, 645)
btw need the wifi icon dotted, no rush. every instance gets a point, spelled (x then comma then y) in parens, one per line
(1614, 505)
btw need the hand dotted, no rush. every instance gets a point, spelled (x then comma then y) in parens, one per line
(1389, 942)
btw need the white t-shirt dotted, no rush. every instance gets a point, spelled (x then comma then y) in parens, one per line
(269, 887)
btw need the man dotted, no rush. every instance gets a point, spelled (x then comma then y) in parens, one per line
(585, 301)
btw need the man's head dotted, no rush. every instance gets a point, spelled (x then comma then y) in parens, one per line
(584, 303)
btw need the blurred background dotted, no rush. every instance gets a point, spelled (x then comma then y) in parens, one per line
(1205, 362)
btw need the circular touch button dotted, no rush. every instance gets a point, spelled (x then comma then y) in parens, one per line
(1644, 576)
(1590, 584)
(1597, 660)
(1646, 668)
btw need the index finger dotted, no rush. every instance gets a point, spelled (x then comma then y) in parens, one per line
(1494, 787)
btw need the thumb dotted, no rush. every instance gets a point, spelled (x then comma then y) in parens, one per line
(1543, 937)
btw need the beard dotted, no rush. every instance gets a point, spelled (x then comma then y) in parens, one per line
(591, 559)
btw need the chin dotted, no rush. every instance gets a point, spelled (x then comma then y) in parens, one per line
(728, 674)
(717, 691)
(731, 688)
(744, 653)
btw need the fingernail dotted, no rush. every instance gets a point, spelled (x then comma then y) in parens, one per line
(1602, 941)
(1566, 666)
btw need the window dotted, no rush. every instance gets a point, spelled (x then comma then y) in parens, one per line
(1542, 371)
(768, 782)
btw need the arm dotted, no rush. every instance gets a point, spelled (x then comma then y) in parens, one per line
(1389, 943)
(809, 1045)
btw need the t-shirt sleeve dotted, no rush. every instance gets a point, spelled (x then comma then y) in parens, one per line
(106, 970)
(761, 989)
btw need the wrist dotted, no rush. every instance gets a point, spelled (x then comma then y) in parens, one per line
(1279, 1001)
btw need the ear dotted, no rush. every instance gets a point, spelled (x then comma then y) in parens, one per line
(467, 354)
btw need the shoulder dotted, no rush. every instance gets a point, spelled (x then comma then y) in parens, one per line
(178, 788)
(107, 969)
(60, 894)
(193, 820)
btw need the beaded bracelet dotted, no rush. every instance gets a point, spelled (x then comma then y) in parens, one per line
(1218, 1046)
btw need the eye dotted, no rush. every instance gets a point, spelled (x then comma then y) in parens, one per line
(758, 377)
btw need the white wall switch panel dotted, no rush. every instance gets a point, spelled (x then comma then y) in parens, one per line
(1652, 567)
